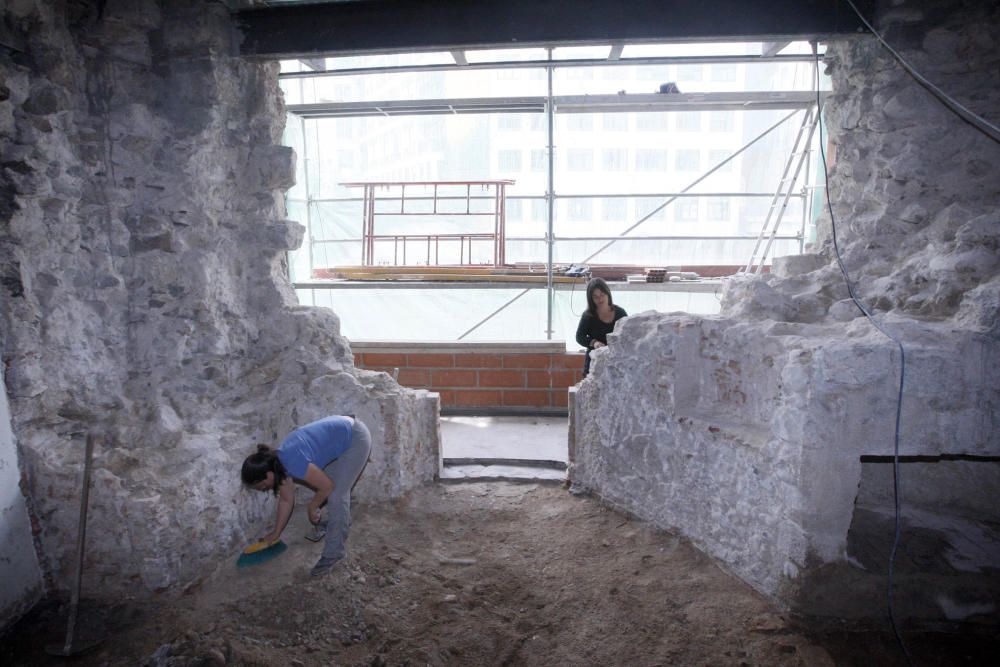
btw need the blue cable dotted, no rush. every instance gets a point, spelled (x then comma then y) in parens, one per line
(902, 373)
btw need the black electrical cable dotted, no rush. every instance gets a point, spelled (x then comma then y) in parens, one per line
(902, 375)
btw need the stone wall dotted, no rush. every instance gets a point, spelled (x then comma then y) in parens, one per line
(145, 295)
(745, 431)
(22, 579)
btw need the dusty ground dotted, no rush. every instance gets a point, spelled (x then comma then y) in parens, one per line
(477, 574)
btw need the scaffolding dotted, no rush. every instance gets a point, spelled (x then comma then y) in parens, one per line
(389, 199)
(397, 202)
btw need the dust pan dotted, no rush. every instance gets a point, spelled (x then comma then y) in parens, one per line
(260, 552)
(73, 646)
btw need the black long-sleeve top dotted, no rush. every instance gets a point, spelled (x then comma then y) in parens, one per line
(591, 328)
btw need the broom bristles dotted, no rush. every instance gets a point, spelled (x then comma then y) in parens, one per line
(261, 555)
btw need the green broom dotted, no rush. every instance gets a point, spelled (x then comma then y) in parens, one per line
(260, 552)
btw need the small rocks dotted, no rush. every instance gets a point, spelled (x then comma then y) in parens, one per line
(215, 657)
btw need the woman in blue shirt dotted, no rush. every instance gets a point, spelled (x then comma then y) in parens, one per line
(327, 455)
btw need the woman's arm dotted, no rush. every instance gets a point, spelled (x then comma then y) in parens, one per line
(583, 336)
(286, 501)
(323, 485)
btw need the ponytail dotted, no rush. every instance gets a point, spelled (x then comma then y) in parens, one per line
(257, 465)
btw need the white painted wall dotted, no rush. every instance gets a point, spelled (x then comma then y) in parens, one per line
(20, 576)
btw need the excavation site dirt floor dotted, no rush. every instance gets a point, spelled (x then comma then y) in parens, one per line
(496, 573)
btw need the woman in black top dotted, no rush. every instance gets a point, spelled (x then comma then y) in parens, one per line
(598, 320)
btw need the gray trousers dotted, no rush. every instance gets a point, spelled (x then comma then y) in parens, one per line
(344, 471)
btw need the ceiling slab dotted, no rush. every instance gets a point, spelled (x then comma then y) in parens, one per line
(387, 26)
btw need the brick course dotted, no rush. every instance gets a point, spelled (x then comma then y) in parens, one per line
(481, 379)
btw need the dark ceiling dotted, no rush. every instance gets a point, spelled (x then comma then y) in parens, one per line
(291, 28)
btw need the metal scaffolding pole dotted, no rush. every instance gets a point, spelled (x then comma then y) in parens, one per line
(550, 197)
(806, 200)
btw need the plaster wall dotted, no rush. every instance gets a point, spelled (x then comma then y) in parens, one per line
(144, 293)
(745, 431)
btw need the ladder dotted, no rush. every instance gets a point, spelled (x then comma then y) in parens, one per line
(800, 151)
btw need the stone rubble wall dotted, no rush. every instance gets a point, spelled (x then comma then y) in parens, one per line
(144, 292)
(744, 431)
(22, 578)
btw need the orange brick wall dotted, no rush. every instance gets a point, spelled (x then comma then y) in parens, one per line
(482, 379)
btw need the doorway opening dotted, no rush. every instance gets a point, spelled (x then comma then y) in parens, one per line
(521, 447)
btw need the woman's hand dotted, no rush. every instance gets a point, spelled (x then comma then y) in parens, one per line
(314, 513)
(598, 344)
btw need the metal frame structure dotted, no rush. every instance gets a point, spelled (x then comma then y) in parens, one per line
(550, 104)
(756, 101)
(374, 192)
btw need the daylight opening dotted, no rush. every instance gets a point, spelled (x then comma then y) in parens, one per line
(468, 195)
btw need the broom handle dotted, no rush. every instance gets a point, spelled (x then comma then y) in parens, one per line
(74, 603)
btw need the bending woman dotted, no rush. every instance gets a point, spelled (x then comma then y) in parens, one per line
(598, 320)
(327, 455)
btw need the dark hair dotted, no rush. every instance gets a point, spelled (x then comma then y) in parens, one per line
(597, 284)
(257, 465)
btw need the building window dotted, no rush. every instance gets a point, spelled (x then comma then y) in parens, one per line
(689, 73)
(539, 122)
(726, 72)
(580, 159)
(651, 121)
(644, 207)
(686, 210)
(513, 210)
(614, 210)
(509, 160)
(687, 159)
(717, 209)
(539, 210)
(716, 156)
(615, 121)
(348, 128)
(509, 121)
(580, 210)
(689, 121)
(652, 73)
(538, 161)
(721, 121)
(614, 159)
(650, 159)
(345, 159)
(579, 122)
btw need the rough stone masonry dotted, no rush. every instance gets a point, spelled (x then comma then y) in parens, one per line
(144, 293)
(746, 431)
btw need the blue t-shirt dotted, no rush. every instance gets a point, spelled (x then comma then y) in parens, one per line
(318, 443)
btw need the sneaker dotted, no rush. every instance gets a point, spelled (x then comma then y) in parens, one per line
(322, 566)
